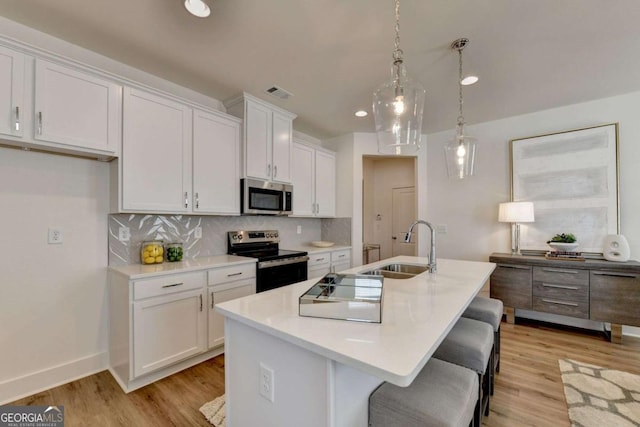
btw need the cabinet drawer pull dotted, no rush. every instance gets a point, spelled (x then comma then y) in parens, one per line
(519, 267)
(550, 285)
(17, 118)
(559, 270)
(550, 301)
(175, 284)
(212, 300)
(320, 259)
(341, 256)
(630, 276)
(234, 274)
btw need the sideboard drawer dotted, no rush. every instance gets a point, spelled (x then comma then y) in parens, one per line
(578, 309)
(511, 283)
(569, 276)
(615, 297)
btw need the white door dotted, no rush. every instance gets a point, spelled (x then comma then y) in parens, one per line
(257, 127)
(281, 163)
(156, 153)
(216, 320)
(403, 214)
(216, 164)
(12, 105)
(75, 108)
(302, 178)
(325, 184)
(167, 329)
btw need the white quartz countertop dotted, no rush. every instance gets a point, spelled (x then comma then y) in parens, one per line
(417, 314)
(137, 271)
(315, 249)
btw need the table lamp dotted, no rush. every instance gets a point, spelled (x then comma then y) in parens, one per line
(515, 213)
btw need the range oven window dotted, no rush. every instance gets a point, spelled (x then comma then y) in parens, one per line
(280, 275)
(265, 200)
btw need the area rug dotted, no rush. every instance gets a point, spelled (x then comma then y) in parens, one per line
(214, 411)
(599, 396)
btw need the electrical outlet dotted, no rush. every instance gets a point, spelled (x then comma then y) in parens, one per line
(55, 235)
(197, 233)
(441, 228)
(299, 229)
(124, 234)
(266, 382)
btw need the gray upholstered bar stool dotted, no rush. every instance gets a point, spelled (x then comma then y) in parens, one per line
(488, 310)
(442, 395)
(470, 344)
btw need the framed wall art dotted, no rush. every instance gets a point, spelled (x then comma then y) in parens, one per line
(572, 179)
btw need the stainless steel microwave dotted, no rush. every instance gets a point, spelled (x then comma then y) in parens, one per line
(258, 197)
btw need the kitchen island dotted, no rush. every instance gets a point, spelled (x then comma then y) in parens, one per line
(282, 369)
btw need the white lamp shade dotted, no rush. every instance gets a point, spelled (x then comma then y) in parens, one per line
(516, 212)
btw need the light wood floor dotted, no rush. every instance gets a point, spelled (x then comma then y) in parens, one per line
(528, 390)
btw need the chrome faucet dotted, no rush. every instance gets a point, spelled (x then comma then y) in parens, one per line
(432, 253)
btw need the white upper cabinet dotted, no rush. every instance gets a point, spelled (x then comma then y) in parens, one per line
(76, 108)
(314, 181)
(12, 99)
(216, 163)
(267, 138)
(156, 154)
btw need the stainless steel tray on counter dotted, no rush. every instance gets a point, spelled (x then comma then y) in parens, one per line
(346, 297)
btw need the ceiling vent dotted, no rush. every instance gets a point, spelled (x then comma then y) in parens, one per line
(278, 92)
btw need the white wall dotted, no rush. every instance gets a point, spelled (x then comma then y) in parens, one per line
(350, 150)
(470, 207)
(52, 297)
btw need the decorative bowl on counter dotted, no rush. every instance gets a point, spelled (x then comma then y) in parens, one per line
(151, 252)
(564, 247)
(322, 244)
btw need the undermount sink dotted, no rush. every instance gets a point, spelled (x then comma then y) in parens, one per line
(397, 271)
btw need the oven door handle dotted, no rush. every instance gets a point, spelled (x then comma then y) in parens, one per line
(280, 262)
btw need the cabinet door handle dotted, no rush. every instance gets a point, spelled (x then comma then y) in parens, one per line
(17, 118)
(200, 302)
(197, 201)
(612, 274)
(550, 301)
(550, 285)
(212, 299)
(268, 170)
(275, 171)
(234, 274)
(186, 199)
(171, 286)
(39, 122)
(519, 267)
(559, 270)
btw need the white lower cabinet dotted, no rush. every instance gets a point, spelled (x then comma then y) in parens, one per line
(161, 324)
(226, 284)
(323, 263)
(340, 260)
(167, 329)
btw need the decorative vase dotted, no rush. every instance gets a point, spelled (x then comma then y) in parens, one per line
(616, 248)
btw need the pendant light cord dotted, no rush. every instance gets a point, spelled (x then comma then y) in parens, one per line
(397, 52)
(460, 100)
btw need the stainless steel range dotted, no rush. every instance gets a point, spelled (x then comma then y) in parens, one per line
(275, 267)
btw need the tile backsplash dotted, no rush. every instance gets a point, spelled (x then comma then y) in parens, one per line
(181, 228)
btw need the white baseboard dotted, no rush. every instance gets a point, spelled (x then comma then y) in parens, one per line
(35, 382)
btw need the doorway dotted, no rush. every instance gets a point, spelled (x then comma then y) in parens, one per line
(389, 205)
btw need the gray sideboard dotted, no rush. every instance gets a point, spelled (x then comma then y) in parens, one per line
(597, 290)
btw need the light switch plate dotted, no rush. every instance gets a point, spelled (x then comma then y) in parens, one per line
(124, 234)
(197, 233)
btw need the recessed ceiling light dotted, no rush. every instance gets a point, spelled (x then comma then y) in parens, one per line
(469, 80)
(197, 8)
(361, 113)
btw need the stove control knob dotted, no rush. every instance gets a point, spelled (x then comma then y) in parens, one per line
(239, 236)
(275, 235)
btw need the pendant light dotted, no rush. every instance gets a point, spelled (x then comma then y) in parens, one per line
(398, 106)
(460, 152)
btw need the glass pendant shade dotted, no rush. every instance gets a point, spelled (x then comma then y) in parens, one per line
(460, 153)
(397, 108)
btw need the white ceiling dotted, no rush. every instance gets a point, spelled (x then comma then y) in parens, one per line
(331, 54)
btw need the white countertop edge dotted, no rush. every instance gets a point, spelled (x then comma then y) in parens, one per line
(140, 271)
(401, 379)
